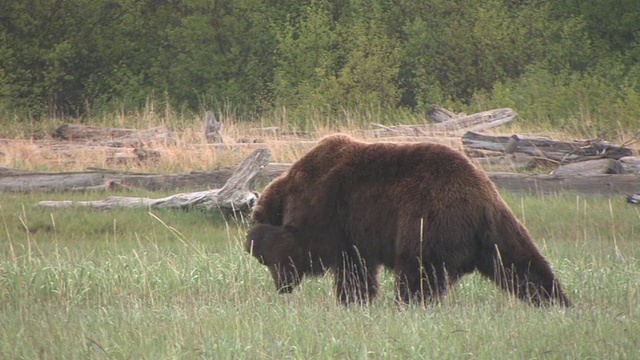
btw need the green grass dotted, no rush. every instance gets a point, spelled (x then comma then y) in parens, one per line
(139, 284)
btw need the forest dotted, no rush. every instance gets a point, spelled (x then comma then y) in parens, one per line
(555, 62)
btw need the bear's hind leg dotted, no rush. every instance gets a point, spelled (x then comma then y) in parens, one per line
(526, 275)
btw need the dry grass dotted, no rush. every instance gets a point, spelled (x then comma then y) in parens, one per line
(38, 150)
(188, 152)
(30, 146)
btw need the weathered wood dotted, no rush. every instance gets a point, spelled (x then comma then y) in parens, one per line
(235, 197)
(475, 122)
(130, 137)
(212, 129)
(515, 162)
(607, 185)
(439, 114)
(512, 144)
(28, 182)
(484, 120)
(590, 167)
(12, 172)
(536, 184)
(102, 179)
(560, 151)
(631, 164)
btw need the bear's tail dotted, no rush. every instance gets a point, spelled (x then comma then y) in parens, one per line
(513, 262)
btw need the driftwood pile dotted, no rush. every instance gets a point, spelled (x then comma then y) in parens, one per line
(586, 157)
(586, 166)
(124, 146)
(235, 198)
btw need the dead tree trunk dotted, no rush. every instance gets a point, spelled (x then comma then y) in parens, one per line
(234, 198)
(591, 167)
(440, 114)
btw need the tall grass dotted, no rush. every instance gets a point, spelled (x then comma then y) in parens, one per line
(30, 146)
(80, 284)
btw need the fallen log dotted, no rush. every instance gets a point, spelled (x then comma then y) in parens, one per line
(514, 162)
(631, 164)
(607, 185)
(104, 180)
(234, 198)
(45, 181)
(560, 151)
(590, 167)
(115, 137)
(456, 126)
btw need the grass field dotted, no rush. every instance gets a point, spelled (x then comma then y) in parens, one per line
(139, 284)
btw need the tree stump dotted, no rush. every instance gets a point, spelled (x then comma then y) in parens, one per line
(212, 129)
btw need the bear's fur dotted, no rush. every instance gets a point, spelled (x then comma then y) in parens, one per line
(422, 210)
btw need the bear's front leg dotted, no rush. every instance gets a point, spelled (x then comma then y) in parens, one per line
(355, 282)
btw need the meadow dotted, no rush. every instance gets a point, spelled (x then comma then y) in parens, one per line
(165, 284)
(147, 284)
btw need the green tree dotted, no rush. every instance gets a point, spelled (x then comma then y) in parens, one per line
(371, 61)
(222, 52)
(307, 49)
(337, 56)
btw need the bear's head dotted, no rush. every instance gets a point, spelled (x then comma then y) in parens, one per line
(276, 247)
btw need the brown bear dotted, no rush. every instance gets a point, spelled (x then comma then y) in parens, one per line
(422, 210)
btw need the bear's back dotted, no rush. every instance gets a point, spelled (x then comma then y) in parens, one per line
(341, 176)
(340, 162)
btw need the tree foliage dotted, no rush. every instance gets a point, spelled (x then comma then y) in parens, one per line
(76, 56)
